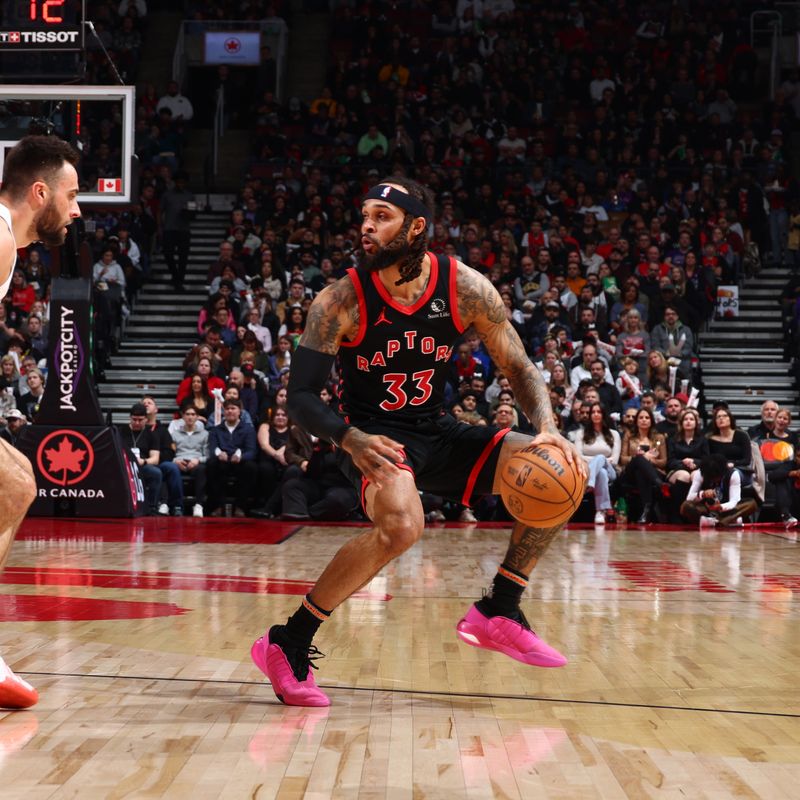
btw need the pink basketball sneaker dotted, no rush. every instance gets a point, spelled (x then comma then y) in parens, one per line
(289, 672)
(15, 692)
(515, 639)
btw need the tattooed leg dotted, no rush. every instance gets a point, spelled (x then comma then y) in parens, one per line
(527, 546)
(496, 621)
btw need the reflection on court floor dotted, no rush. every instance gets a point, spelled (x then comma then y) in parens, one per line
(683, 654)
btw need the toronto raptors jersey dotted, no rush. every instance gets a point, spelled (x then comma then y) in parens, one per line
(397, 366)
(5, 215)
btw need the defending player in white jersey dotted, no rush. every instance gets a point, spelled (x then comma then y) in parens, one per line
(38, 201)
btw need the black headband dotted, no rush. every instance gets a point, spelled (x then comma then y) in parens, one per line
(383, 191)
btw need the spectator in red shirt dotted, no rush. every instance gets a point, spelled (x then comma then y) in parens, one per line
(487, 255)
(204, 371)
(653, 261)
(604, 249)
(534, 239)
(465, 365)
(23, 296)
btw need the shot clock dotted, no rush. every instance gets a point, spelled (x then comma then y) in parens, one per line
(42, 25)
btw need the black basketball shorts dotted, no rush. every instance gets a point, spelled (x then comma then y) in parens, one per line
(449, 458)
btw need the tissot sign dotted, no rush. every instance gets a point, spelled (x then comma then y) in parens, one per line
(81, 467)
(66, 40)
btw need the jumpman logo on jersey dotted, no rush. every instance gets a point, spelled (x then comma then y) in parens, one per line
(381, 318)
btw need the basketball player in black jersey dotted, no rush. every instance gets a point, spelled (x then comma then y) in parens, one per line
(393, 322)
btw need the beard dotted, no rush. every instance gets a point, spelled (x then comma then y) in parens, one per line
(49, 227)
(394, 252)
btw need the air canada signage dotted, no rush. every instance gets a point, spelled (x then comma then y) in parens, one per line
(65, 457)
(81, 473)
(81, 466)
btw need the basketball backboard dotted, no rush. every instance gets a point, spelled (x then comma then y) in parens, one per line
(97, 120)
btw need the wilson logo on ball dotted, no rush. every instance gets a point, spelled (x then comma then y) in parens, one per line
(540, 452)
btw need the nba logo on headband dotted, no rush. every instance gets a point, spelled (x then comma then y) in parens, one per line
(385, 191)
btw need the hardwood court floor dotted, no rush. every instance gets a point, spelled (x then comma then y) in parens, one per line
(683, 678)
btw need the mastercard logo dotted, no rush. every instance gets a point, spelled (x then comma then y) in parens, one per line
(776, 450)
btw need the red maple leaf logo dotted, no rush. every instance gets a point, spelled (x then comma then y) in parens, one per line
(65, 458)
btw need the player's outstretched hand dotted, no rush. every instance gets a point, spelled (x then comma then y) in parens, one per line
(555, 439)
(375, 456)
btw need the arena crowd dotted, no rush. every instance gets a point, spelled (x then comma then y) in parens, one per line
(605, 166)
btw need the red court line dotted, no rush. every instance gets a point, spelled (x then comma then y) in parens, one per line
(159, 530)
(40, 608)
(175, 581)
(188, 530)
(667, 576)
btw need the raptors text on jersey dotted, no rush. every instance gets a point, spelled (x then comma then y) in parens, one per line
(397, 366)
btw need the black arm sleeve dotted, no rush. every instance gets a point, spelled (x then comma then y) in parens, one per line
(745, 455)
(309, 372)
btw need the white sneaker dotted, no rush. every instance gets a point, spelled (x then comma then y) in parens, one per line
(197, 510)
(467, 516)
(739, 522)
(163, 509)
(14, 692)
(708, 522)
(790, 522)
(436, 516)
(599, 518)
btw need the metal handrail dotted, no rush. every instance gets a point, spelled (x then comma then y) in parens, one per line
(178, 59)
(217, 132)
(774, 62)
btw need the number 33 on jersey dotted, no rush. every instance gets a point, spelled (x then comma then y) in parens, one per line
(399, 362)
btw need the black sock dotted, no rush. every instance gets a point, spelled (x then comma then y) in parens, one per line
(503, 598)
(300, 628)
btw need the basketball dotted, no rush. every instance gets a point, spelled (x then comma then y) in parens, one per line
(540, 488)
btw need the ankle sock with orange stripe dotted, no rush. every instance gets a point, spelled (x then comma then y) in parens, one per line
(502, 600)
(304, 623)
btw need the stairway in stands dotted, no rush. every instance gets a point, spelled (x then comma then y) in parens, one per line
(162, 328)
(742, 358)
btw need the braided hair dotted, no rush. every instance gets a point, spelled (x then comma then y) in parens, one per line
(411, 266)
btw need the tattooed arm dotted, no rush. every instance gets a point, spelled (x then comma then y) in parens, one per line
(480, 305)
(334, 315)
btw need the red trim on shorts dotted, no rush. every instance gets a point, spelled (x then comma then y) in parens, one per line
(478, 466)
(457, 321)
(362, 310)
(366, 482)
(433, 279)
